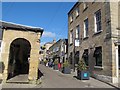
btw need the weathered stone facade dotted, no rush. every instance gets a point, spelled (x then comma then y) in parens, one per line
(105, 38)
(45, 51)
(58, 51)
(12, 32)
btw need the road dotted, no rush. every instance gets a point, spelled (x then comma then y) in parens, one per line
(56, 79)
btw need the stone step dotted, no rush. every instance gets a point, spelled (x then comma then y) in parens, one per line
(19, 79)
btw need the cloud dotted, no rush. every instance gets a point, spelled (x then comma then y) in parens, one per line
(49, 34)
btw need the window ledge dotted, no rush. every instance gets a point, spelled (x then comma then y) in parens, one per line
(77, 16)
(71, 22)
(71, 44)
(85, 9)
(98, 67)
(85, 37)
(98, 32)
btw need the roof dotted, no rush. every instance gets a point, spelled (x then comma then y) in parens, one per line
(59, 41)
(73, 7)
(9, 25)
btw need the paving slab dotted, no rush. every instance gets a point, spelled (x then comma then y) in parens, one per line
(55, 79)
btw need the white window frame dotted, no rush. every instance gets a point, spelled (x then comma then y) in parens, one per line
(71, 36)
(85, 29)
(95, 21)
(77, 33)
(65, 48)
(77, 11)
(85, 5)
(71, 18)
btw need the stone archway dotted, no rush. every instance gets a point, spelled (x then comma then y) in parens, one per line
(19, 55)
(119, 58)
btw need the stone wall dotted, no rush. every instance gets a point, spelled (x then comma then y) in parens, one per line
(8, 37)
(102, 38)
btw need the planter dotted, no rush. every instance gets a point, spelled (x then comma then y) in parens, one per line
(42, 62)
(55, 67)
(83, 75)
(66, 70)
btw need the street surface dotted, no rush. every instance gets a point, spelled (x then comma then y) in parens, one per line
(56, 79)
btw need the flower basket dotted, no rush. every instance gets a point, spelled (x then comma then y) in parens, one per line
(55, 67)
(66, 68)
(82, 72)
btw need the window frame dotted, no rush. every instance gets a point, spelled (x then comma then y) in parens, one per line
(97, 21)
(77, 32)
(77, 11)
(71, 36)
(85, 5)
(98, 57)
(71, 18)
(86, 28)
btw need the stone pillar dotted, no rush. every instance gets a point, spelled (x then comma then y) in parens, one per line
(115, 67)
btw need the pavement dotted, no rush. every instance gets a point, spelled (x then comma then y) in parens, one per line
(55, 79)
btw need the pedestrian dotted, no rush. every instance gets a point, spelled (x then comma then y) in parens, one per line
(59, 66)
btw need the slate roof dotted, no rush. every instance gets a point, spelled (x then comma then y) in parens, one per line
(14, 26)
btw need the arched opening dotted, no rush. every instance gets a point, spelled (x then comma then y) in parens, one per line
(119, 58)
(19, 55)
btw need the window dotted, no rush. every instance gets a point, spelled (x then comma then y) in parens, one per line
(76, 57)
(1, 37)
(98, 21)
(77, 32)
(71, 18)
(93, 1)
(98, 56)
(1, 34)
(85, 5)
(71, 37)
(77, 11)
(85, 56)
(86, 28)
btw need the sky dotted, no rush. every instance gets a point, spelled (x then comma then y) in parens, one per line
(51, 16)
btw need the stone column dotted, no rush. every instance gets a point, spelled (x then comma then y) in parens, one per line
(115, 67)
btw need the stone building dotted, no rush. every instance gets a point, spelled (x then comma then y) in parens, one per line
(44, 52)
(95, 27)
(58, 51)
(20, 46)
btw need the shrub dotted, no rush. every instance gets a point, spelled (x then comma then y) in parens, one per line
(66, 64)
(81, 65)
(56, 62)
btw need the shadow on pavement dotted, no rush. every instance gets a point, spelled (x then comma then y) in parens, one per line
(40, 74)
